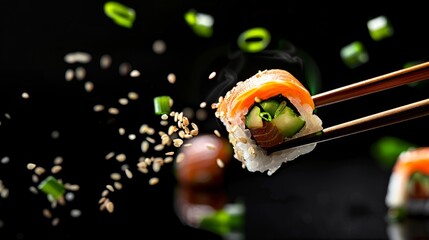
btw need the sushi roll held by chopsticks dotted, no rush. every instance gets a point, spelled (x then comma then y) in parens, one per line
(265, 110)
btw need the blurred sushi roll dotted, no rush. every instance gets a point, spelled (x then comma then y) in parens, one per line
(205, 158)
(408, 188)
(264, 110)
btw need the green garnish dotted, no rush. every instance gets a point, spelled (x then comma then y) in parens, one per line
(254, 39)
(120, 14)
(51, 186)
(162, 105)
(266, 116)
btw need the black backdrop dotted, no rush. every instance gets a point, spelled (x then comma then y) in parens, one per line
(336, 191)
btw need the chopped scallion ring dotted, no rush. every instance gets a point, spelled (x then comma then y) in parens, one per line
(254, 39)
(120, 14)
(162, 105)
(265, 116)
(51, 186)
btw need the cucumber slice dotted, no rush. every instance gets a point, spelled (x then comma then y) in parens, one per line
(253, 120)
(270, 106)
(288, 122)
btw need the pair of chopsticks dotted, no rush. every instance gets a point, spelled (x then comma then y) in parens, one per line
(396, 115)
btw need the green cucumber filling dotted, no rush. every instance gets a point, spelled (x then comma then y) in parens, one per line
(280, 112)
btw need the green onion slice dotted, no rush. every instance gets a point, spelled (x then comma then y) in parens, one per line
(254, 39)
(162, 105)
(120, 14)
(266, 116)
(51, 186)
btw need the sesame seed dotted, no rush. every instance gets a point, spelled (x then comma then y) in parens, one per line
(35, 178)
(80, 73)
(110, 188)
(128, 173)
(132, 136)
(58, 160)
(169, 153)
(164, 116)
(39, 170)
(69, 75)
(123, 101)
(151, 140)
(56, 169)
(121, 157)
(98, 108)
(33, 189)
(47, 213)
(203, 105)
(212, 75)
(145, 146)
(109, 155)
(217, 133)
(153, 181)
(105, 61)
(25, 95)
(171, 77)
(31, 166)
(115, 176)
(113, 111)
(75, 213)
(133, 96)
(110, 207)
(135, 73)
(159, 46)
(89, 86)
(124, 68)
(210, 146)
(55, 221)
(220, 163)
(117, 185)
(159, 147)
(180, 157)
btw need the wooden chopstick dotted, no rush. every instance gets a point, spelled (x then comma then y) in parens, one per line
(385, 118)
(394, 79)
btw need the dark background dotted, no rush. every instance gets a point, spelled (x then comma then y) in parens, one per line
(337, 191)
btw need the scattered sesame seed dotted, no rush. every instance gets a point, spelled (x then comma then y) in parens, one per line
(105, 61)
(159, 46)
(110, 207)
(133, 96)
(217, 133)
(113, 111)
(153, 181)
(89, 86)
(69, 75)
(220, 163)
(25, 95)
(109, 155)
(212, 75)
(98, 108)
(5, 160)
(80, 73)
(110, 188)
(121, 157)
(123, 101)
(129, 173)
(135, 73)
(56, 169)
(171, 77)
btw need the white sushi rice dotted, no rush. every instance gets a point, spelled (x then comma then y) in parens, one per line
(255, 158)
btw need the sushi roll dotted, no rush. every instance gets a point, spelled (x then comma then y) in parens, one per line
(266, 109)
(408, 180)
